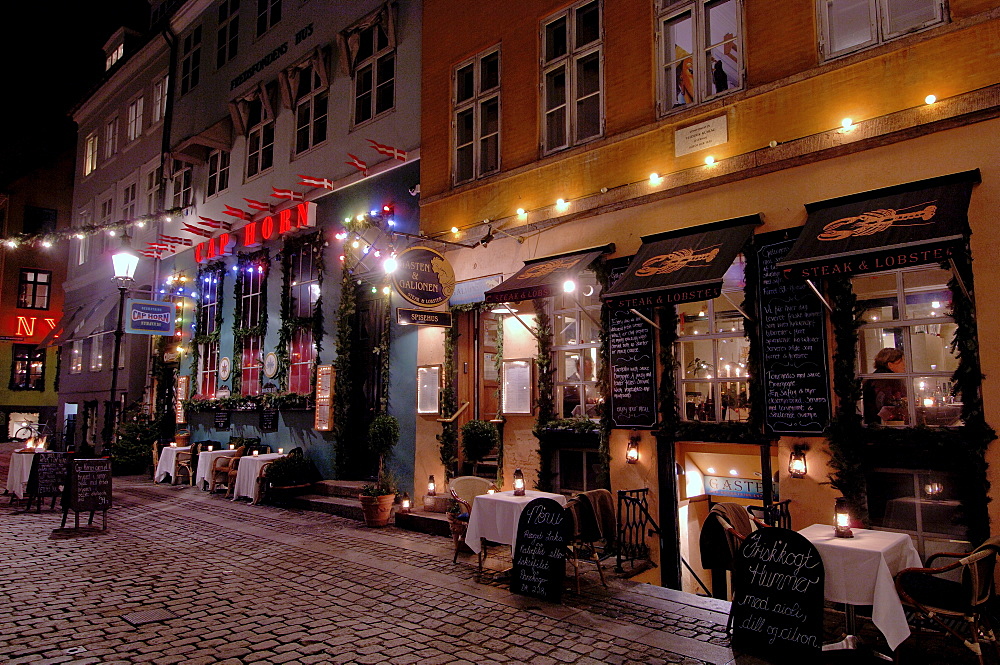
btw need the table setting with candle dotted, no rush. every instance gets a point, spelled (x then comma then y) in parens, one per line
(168, 457)
(246, 484)
(20, 468)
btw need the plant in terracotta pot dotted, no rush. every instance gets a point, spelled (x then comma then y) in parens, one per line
(377, 498)
(479, 439)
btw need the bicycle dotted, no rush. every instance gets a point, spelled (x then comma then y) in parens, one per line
(30, 430)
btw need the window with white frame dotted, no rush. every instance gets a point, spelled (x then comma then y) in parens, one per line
(576, 332)
(312, 101)
(134, 129)
(128, 200)
(82, 240)
(905, 357)
(476, 100)
(76, 357)
(114, 57)
(191, 60)
(260, 139)
(154, 179)
(849, 25)
(572, 76)
(97, 353)
(33, 288)
(711, 352)
(700, 51)
(268, 15)
(181, 187)
(303, 292)
(374, 74)
(218, 172)
(90, 154)
(228, 40)
(251, 299)
(160, 99)
(208, 321)
(111, 138)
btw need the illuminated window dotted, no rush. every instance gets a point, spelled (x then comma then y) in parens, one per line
(191, 60)
(228, 40)
(182, 188)
(850, 25)
(90, 155)
(268, 15)
(83, 243)
(251, 365)
(218, 172)
(28, 368)
(97, 353)
(477, 117)
(252, 284)
(304, 292)
(576, 338)
(208, 379)
(134, 129)
(111, 138)
(572, 76)
(374, 74)
(260, 139)
(114, 57)
(128, 200)
(159, 99)
(153, 180)
(33, 289)
(311, 108)
(207, 325)
(76, 357)
(301, 357)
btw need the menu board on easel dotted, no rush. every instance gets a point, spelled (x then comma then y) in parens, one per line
(48, 475)
(539, 554)
(324, 398)
(88, 489)
(180, 394)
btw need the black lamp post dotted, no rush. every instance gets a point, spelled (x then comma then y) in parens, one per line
(125, 263)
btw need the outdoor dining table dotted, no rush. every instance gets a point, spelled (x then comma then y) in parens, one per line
(859, 571)
(165, 467)
(246, 475)
(495, 516)
(20, 469)
(206, 459)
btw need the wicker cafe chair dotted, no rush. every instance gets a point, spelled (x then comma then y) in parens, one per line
(931, 596)
(464, 490)
(186, 461)
(221, 467)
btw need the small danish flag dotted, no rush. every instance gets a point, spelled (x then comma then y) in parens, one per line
(358, 164)
(287, 194)
(236, 212)
(308, 181)
(196, 231)
(258, 205)
(388, 150)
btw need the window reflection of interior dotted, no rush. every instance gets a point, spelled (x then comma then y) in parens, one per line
(576, 337)
(910, 310)
(712, 351)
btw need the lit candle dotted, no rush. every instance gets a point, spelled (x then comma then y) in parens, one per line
(232, 446)
(281, 451)
(211, 448)
(255, 453)
(518, 483)
(173, 444)
(842, 520)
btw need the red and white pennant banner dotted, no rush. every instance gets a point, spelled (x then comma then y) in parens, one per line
(186, 242)
(358, 164)
(309, 181)
(258, 205)
(236, 212)
(214, 223)
(287, 194)
(196, 231)
(388, 150)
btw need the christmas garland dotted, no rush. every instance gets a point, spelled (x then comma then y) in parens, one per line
(259, 258)
(498, 368)
(382, 350)
(343, 382)
(289, 323)
(448, 438)
(78, 232)
(604, 382)
(212, 270)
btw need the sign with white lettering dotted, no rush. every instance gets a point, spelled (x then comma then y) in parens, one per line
(423, 277)
(539, 556)
(777, 610)
(737, 488)
(422, 317)
(149, 317)
(704, 135)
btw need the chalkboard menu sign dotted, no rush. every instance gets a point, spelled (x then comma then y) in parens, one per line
(48, 476)
(796, 385)
(539, 557)
(777, 609)
(223, 420)
(632, 360)
(89, 486)
(269, 420)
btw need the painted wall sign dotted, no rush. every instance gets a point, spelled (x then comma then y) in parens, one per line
(777, 609)
(474, 290)
(270, 365)
(422, 317)
(149, 317)
(300, 216)
(738, 488)
(701, 136)
(423, 277)
(323, 421)
(225, 368)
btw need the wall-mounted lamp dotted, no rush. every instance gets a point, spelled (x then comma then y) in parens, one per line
(797, 467)
(632, 451)
(842, 520)
(488, 238)
(518, 483)
(431, 486)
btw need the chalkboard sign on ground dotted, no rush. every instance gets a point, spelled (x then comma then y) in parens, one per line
(48, 475)
(796, 387)
(539, 554)
(777, 609)
(633, 369)
(88, 489)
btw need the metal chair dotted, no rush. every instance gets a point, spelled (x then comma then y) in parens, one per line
(932, 597)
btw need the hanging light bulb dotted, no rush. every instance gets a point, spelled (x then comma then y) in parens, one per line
(390, 264)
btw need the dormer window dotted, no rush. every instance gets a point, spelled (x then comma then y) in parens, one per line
(114, 57)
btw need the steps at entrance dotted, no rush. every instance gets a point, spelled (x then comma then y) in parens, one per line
(422, 521)
(333, 505)
(345, 489)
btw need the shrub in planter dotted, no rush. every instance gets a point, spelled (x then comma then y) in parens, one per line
(293, 470)
(479, 439)
(378, 497)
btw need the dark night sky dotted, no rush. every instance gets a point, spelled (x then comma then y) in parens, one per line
(50, 56)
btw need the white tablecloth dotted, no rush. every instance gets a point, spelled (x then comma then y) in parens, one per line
(246, 475)
(165, 466)
(17, 475)
(494, 516)
(859, 571)
(205, 460)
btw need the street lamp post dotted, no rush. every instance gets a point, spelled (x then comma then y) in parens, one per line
(125, 263)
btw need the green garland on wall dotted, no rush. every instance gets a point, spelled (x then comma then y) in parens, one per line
(289, 323)
(213, 270)
(498, 368)
(343, 383)
(604, 382)
(543, 363)
(448, 438)
(260, 258)
(383, 350)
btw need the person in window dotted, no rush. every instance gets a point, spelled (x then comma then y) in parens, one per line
(884, 400)
(719, 77)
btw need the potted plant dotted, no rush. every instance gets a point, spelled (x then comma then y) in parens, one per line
(377, 498)
(289, 474)
(479, 439)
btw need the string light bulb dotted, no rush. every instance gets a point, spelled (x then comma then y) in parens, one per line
(930, 99)
(847, 123)
(561, 204)
(709, 160)
(390, 264)
(454, 230)
(655, 179)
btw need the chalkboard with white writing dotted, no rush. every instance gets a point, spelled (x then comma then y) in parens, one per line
(269, 420)
(48, 474)
(796, 384)
(89, 486)
(777, 609)
(539, 554)
(223, 420)
(633, 369)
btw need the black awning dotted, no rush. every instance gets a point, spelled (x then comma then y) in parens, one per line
(906, 225)
(69, 315)
(681, 266)
(544, 277)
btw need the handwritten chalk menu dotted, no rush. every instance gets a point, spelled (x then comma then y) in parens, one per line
(89, 485)
(223, 420)
(269, 420)
(796, 385)
(777, 609)
(539, 555)
(49, 471)
(633, 369)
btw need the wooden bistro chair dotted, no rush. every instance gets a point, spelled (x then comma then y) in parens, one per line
(594, 530)
(464, 490)
(931, 596)
(186, 462)
(221, 468)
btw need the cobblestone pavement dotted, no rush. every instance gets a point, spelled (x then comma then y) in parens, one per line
(258, 584)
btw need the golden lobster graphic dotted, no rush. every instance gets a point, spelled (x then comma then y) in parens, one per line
(667, 263)
(547, 267)
(874, 221)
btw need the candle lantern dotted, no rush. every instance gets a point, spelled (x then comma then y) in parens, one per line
(842, 520)
(173, 444)
(518, 483)
(431, 486)
(211, 448)
(404, 504)
(632, 451)
(281, 451)
(493, 489)
(797, 466)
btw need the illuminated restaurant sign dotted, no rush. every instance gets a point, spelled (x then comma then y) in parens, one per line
(423, 277)
(285, 221)
(737, 488)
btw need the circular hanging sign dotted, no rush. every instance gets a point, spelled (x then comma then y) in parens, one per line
(270, 365)
(225, 368)
(423, 277)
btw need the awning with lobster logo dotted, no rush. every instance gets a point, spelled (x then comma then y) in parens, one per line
(681, 266)
(544, 277)
(906, 225)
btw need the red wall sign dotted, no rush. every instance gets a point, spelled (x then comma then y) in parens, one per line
(301, 216)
